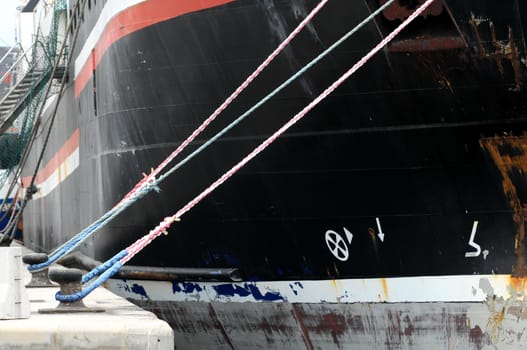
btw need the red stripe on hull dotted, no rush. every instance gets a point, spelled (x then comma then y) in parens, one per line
(133, 19)
(64, 152)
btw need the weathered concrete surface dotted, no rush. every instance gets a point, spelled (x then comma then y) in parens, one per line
(122, 326)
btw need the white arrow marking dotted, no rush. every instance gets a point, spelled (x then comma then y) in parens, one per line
(349, 235)
(380, 234)
(472, 243)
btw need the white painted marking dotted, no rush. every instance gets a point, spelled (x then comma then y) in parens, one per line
(110, 10)
(380, 234)
(337, 245)
(349, 235)
(472, 243)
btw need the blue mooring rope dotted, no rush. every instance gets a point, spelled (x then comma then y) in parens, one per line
(96, 271)
(107, 274)
(87, 232)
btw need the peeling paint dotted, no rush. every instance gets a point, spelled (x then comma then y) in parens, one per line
(417, 326)
(248, 289)
(185, 287)
(460, 312)
(465, 288)
(138, 289)
(486, 287)
(501, 49)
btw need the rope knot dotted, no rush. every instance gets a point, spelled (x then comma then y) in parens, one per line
(150, 182)
(169, 220)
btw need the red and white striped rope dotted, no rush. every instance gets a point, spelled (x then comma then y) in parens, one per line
(168, 221)
(225, 104)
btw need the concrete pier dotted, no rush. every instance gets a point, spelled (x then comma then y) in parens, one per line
(121, 326)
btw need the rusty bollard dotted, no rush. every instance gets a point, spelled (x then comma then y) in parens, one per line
(38, 278)
(70, 281)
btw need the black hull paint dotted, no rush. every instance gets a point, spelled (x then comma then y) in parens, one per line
(426, 142)
(403, 141)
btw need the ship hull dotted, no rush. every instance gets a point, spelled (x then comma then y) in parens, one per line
(414, 167)
(446, 312)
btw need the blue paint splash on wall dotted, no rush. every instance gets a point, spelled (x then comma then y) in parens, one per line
(185, 287)
(231, 290)
(269, 296)
(137, 289)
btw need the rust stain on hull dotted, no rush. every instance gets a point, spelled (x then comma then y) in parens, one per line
(401, 12)
(428, 43)
(475, 24)
(456, 326)
(385, 292)
(518, 284)
(502, 50)
(373, 237)
(495, 322)
(509, 154)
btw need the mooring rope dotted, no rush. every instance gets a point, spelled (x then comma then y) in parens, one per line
(110, 267)
(149, 182)
(230, 99)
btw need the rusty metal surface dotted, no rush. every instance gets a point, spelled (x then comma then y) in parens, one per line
(438, 30)
(496, 324)
(273, 325)
(195, 324)
(509, 155)
(404, 8)
(179, 273)
(497, 321)
(82, 261)
(428, 43)
(501, 50)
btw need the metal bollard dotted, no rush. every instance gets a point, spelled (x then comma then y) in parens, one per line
(38, 278)
(70, 283)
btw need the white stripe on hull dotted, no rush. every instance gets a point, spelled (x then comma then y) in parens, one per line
(110, 10)
(65, 169)
(465, 288)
